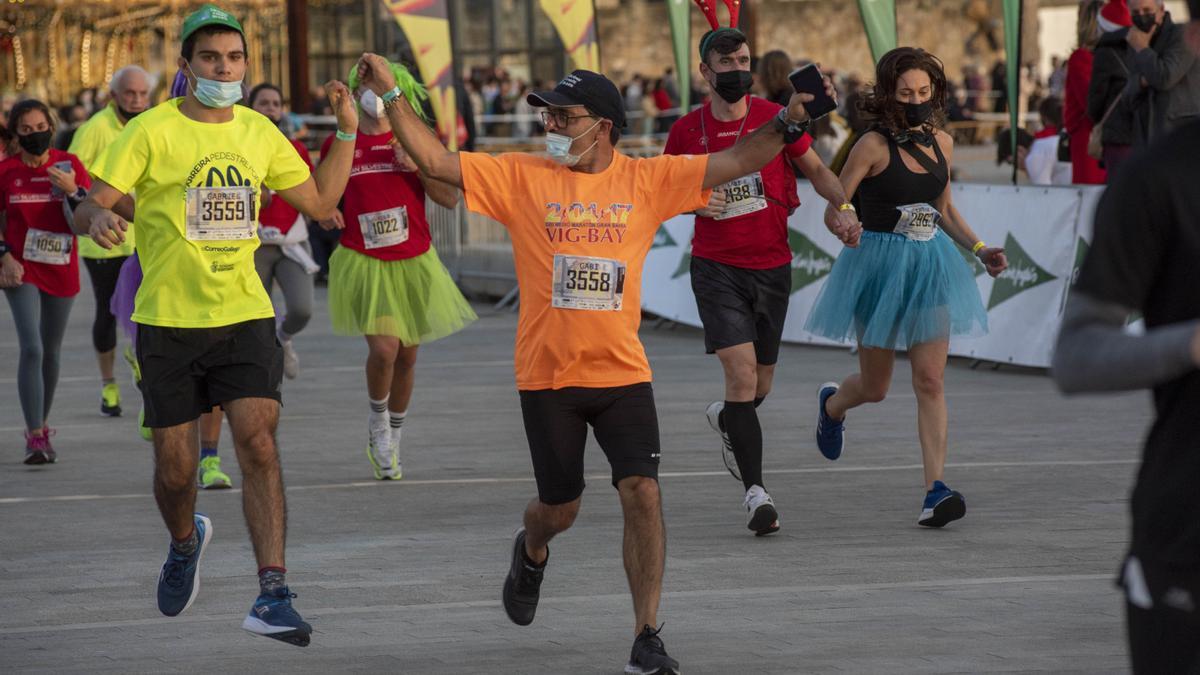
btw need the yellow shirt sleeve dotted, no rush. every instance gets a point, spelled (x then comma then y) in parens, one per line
(287, 167)
(123, 163)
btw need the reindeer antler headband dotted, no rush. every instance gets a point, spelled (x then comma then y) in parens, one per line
(710, 13)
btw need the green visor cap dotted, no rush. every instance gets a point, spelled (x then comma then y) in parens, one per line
(209, 15)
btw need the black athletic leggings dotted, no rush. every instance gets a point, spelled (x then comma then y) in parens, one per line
(104, 272)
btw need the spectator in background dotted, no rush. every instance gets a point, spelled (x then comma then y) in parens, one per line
(1084, 169)
(72, 117)
(1000, 87)
(1042, 161)
(1111, 65)
(664, 117)
(1057, 83)
(773, 71)
(1165, 91)
(633, 94)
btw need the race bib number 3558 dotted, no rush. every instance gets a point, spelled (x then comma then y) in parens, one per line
(220, 213)
(581, 282)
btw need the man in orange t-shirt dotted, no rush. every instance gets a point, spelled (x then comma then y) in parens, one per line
(581, 222)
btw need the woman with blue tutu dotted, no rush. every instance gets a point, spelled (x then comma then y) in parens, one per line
(386, 281)
(903, 285)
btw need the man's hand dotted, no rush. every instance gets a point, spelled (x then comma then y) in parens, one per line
(1137, 39)
(846, 226)
(334, 223)
(374, 73)
(63, 180)
(994, 260)
(107, 229)
(796, 111)
(343, 106)
(11, 271)
(716, 204)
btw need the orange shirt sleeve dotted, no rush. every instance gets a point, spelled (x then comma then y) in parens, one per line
(674, 184)
(490, 183)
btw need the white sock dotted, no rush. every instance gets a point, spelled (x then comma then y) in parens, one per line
(377, 421)
(396, 421)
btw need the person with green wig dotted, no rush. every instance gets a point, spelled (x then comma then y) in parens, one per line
(386, 281)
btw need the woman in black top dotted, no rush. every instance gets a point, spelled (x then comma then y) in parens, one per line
(905, 285)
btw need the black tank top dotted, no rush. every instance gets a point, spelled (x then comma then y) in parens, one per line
(879, 196)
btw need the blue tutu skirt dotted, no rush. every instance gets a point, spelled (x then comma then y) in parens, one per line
(891, 292)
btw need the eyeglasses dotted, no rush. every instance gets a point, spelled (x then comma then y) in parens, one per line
(560, 117)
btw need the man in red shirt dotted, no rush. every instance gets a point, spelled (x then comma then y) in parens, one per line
(741, 261)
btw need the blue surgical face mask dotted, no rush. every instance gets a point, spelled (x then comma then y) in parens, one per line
(214, 93)
(559, 147)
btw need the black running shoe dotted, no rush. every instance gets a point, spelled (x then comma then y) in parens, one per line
(523, 584)
(649, 657)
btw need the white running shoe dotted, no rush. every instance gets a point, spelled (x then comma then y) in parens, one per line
(714, 420)
(394, 447)
(379, 451)
(764, 519)
(291, 360)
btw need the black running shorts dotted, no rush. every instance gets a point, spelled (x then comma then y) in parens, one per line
(1162, 610)
(187, 371)
(623, 419)
(739, 305)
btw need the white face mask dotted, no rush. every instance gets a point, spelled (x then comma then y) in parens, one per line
(371, 104)
(214, 93)
(559, 147)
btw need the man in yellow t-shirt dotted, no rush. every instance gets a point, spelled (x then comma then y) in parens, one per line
(581, 223)
(130, 88)
(206, 331)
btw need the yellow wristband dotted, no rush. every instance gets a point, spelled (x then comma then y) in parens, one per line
(979, 246)
(846, 207)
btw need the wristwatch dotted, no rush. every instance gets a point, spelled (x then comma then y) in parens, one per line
(792, 131)
(4, 248)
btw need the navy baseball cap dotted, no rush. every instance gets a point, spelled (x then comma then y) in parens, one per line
(591, 90)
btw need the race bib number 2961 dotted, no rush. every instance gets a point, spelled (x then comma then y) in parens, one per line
(582, 282)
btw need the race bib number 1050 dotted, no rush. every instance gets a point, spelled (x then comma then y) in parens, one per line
(220, 213)
(580, 282)
(50, 248)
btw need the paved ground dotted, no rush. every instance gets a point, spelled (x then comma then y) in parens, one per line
(406, 576)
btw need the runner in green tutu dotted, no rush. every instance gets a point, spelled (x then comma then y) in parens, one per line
(386, 281)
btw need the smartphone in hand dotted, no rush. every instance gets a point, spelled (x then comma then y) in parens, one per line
(61, 166)
(808, 80)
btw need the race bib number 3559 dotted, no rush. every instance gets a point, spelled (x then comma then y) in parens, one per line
(581, 282)
(220, 213)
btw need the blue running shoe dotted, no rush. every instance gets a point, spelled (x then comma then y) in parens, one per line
(830, 432)
(942, 506)
(273, 616)
(179, 581)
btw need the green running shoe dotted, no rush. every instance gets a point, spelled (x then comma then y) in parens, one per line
(384, 460)
(110, 400)
(210, 475)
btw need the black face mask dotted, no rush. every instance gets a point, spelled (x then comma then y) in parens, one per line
(733, 85)
(36, 143)
(916, 114)
(126, 115)
(1144, 22)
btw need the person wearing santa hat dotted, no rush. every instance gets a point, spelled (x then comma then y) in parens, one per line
(1078, 125)
(1112, 62)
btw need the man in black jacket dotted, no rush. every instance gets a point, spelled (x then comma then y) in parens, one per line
(1165, 89)
(1112, 64)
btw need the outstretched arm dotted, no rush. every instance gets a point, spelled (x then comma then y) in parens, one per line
(430, 156)
(757, 148)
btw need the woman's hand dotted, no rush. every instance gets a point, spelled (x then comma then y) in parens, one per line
(994, 260)
(334, 223)
(63, 180)
(11, 271)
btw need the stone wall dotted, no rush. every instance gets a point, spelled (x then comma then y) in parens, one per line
(635, 36)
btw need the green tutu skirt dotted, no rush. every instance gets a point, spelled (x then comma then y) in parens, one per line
(414, 299)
